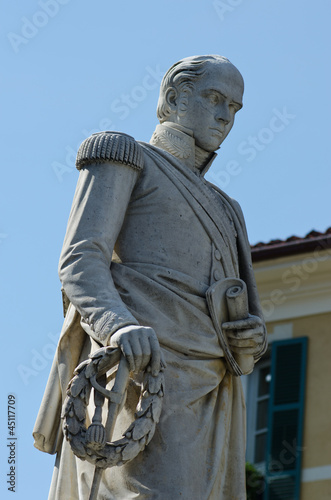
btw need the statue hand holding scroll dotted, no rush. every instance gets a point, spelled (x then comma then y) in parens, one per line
(240, 333)
(244, 331)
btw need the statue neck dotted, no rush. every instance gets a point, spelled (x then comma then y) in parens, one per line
(179, 142)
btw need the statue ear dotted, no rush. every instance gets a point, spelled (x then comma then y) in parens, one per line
(177, 101)
(171, 97)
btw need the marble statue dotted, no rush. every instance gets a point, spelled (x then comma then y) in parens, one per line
(152, 259)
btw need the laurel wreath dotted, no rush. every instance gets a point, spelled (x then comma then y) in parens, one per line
(90, 444)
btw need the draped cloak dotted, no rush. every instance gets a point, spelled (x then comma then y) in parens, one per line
(142, 247)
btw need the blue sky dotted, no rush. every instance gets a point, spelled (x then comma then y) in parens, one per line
(71, 68)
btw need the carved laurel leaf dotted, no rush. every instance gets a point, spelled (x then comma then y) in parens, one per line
(78, 447)
(67, 405)
(141, 427)
(80, 409)
(73, 425)
(154, 383)
(156, 409)
(175, 145)
(85, 394)
(76, 385)
(143, 406)
(150, 434)
(131, 451)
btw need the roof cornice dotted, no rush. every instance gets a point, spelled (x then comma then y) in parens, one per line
(291, 246)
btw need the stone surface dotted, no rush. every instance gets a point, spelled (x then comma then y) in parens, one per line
(147, 240)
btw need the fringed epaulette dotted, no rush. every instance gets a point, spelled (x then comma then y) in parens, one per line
(110, 146)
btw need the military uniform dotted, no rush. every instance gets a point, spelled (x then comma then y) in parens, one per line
(147, 236)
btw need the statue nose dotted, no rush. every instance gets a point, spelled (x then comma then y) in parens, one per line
(223, 114)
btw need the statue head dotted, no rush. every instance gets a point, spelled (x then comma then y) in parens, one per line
(202, 94)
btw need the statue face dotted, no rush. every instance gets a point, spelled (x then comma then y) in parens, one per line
(212, 105)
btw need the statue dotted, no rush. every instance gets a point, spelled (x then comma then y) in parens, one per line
(156, 262)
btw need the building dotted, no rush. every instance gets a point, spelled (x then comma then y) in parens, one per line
(289, 393)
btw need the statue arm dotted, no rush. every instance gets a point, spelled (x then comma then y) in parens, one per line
(98, 210)
(255, 306)
(247, 336)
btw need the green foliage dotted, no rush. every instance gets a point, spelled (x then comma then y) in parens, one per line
(254, 482)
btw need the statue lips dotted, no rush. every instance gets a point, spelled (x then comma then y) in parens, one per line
(217, 131)
(218, 134)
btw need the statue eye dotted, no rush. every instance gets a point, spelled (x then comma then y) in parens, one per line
(234, 107)
(213, 98)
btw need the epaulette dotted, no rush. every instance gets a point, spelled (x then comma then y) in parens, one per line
(110, 146)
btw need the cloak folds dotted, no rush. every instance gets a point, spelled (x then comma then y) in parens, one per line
(160, 280)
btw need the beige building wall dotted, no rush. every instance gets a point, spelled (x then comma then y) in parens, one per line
(295, 294)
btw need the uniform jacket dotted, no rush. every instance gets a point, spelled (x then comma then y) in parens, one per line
(146, 237)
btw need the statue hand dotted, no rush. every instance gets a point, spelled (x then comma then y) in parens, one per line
(245, 336)
(140, 346)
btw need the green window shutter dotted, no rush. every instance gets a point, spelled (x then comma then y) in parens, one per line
(285, 419)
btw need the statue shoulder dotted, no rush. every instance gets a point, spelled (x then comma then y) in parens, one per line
(110, 147)
(237, 208)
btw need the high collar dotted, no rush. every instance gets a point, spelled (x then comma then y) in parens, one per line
(179, 142)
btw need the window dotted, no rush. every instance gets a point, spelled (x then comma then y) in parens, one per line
(257, 413)
(275, 418)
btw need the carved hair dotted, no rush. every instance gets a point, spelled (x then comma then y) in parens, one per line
(182, 76)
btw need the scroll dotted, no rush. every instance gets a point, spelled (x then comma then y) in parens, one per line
(227, 301)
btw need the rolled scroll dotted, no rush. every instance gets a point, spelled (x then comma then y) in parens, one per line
(237, 302)
(227, 301)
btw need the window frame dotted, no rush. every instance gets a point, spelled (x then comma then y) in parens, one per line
(270, 360)
(252, 403)
(296, 472)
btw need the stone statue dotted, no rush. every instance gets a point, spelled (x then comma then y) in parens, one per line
(152, 256)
